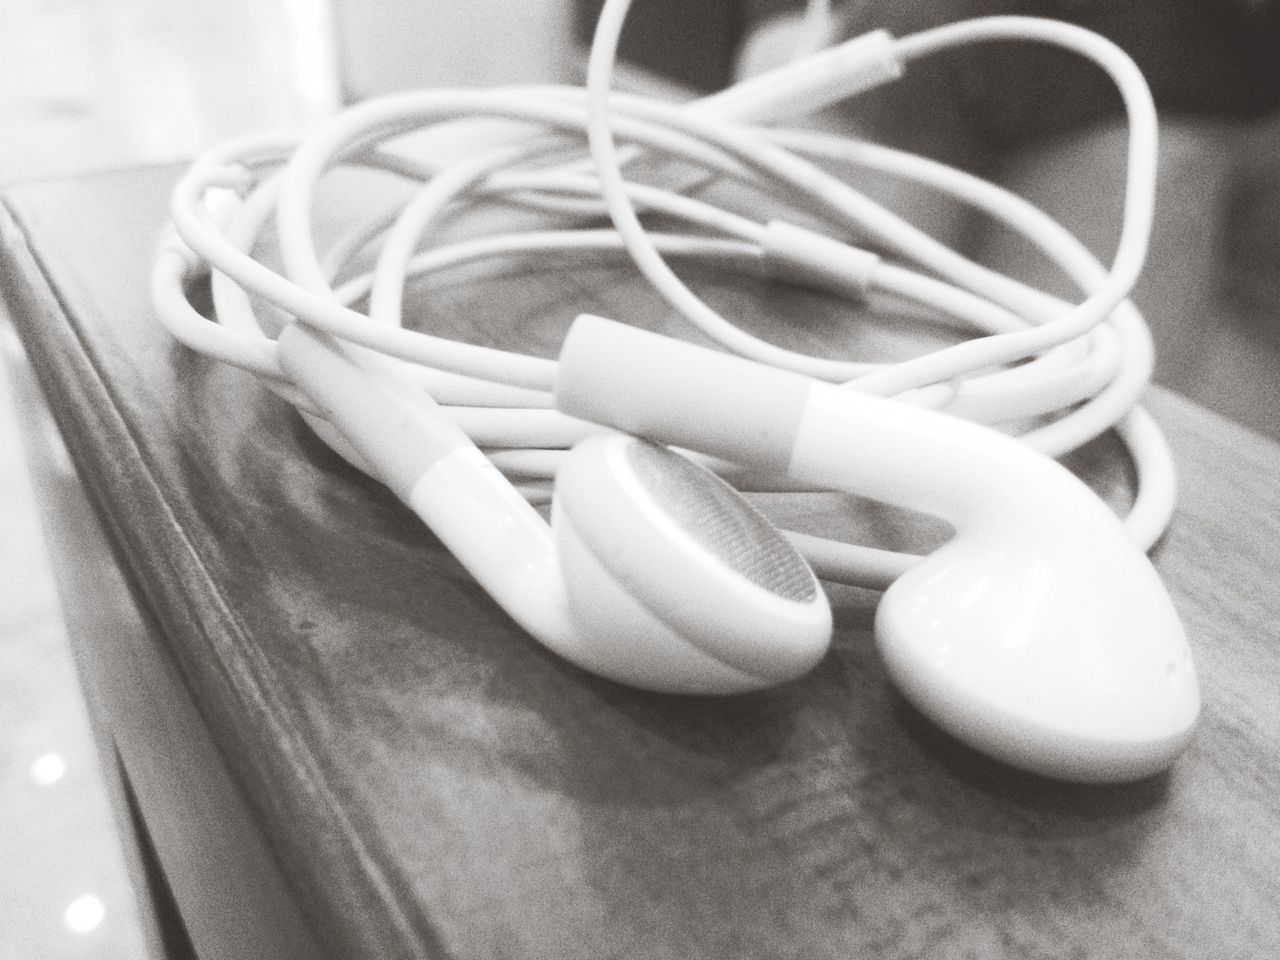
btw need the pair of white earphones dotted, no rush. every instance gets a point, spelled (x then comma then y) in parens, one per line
(1039, 633)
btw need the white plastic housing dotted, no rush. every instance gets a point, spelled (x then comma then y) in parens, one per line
(1039, 634)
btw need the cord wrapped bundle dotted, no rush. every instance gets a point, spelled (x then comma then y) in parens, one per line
(1073, 370)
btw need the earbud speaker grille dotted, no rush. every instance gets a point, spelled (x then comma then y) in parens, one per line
(721, 520)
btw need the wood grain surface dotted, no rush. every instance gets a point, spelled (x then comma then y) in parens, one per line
(432, 783)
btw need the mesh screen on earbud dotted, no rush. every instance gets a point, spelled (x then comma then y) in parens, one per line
(721, 520)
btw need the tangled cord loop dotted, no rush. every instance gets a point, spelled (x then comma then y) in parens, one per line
(1075, 370)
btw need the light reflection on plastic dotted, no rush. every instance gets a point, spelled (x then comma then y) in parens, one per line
(47, 769)
(84, 914)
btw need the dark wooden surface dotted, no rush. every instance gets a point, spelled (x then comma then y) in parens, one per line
(431, 783)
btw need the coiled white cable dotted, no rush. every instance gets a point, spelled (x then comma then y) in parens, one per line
(1082, 365)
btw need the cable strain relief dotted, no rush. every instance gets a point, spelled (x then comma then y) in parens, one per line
(809, 85)
(797, 254)
(674, 392)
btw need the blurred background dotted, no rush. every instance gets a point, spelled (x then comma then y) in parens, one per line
(89, 85)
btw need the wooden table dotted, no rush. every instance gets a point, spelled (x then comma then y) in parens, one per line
(342, 748)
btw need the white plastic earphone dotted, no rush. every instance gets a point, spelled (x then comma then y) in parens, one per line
(1040, 633)
(653, 572)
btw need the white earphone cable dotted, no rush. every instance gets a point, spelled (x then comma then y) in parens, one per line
(1084, 364)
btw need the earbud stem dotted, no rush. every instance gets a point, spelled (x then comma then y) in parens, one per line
(390, 422)
(674, 392)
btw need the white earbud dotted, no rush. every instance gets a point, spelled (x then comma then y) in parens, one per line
(1039, 634)
(654, 572)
